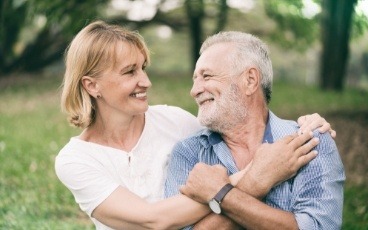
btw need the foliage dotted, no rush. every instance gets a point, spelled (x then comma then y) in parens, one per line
(294, 29)
(297, 30)
(360, 24)
(34, 33)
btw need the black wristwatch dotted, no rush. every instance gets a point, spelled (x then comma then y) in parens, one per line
(216, 201)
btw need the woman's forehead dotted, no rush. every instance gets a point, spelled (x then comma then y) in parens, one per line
(128, 54)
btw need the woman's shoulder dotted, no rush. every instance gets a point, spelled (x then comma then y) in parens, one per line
(75, 144)
(173, 118)
(169, 111)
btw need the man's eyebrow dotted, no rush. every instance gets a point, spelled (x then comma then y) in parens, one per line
(201, 71)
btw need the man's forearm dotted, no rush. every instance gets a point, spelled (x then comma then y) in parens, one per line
(251, 213)
(214, 221)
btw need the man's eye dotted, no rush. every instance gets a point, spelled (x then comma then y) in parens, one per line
(206, 76)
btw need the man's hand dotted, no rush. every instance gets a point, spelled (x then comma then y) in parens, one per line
(204, 181)
(277, 162)
(308, 123)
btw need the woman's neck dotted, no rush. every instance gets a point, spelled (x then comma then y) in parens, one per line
(119, 133)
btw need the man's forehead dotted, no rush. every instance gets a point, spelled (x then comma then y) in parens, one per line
(213, 60)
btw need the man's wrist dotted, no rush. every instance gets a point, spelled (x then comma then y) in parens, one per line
(253, 186)
(215, 202)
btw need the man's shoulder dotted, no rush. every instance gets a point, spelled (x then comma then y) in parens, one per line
(281, 127)
(193, 143)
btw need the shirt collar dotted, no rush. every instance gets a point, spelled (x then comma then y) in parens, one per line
(268, 137)
(210, 138)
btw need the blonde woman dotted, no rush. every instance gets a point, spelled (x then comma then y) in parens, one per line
(116, 167)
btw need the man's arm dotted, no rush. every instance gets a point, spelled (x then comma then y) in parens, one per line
(241, 207)
(315, 202)
(296, 153)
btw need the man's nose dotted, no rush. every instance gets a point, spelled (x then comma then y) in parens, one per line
(197, 88)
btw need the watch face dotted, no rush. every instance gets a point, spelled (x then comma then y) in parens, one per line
(215, 206)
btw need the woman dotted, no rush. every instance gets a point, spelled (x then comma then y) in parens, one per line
(116, 167)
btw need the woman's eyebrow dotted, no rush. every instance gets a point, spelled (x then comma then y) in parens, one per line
(128, 67)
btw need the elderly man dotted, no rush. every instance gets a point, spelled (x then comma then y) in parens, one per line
(232, 87)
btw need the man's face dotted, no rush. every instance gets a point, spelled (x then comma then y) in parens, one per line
(216, 92)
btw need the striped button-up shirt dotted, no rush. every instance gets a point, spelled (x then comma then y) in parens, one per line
(314, 195)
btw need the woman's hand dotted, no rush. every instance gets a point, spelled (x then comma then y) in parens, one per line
(313, 121)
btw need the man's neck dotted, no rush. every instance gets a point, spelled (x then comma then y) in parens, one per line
(244, 139)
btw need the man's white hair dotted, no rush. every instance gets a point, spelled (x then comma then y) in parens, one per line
(250, 50)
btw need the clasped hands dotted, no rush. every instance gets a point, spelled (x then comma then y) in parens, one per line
(271, 165)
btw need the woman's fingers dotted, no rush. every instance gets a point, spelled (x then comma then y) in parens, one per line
(315, 121)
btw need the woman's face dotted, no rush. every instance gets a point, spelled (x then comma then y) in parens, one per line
(124, 86)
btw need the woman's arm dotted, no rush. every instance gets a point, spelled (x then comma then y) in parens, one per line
(125, 210)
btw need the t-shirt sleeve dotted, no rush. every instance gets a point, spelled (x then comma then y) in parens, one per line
(188, 123)
(90, 185)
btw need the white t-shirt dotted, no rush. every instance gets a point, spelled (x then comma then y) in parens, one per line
(92, 171)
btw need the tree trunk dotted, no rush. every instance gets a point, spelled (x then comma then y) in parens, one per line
(195, 12)
(222, 17)
(336, 25)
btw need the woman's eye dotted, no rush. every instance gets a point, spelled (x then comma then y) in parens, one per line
(129, 72)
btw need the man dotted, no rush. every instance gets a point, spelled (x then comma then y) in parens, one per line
(232, 87)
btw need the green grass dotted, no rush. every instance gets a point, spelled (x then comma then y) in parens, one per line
(356, 208)
(32, 131)
(295, 99)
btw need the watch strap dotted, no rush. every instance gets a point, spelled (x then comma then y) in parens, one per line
(223, 191)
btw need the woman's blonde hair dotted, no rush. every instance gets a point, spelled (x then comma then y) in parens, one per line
(92, 51)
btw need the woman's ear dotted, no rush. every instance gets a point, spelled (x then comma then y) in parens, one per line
(91, 86)
(252, 80)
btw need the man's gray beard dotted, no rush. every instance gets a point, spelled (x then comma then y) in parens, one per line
(227, 113)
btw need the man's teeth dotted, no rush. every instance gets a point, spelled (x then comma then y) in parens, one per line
(206, 101)
(139, 94)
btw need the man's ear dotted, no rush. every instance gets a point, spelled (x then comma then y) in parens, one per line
(91, 86)
(252, 80)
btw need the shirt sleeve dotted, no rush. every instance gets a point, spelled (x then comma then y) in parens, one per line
(187, 122)
(181, 163)
(89, 185)
(318, 189)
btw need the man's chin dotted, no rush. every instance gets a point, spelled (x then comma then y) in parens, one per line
(205, 121)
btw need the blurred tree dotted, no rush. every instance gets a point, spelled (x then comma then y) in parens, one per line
(298, 30)
(196, 14)
(35, 33)
(336, 22)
